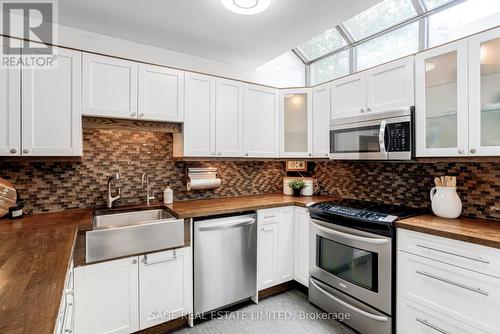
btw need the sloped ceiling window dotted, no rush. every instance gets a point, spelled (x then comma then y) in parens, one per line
(464, 19)
(431, 4)
(322, 44)
(379, 17)
(395, 44)
(331, 67)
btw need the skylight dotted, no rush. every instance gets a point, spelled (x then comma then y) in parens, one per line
(431, 4)
(379, 17)
(320, 45)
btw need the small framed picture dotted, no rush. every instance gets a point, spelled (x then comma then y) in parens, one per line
(296, 166)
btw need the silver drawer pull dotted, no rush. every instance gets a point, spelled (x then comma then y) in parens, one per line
(269, 216)
(478, 259)
(434, 327)
(460, 285)
(147, 263)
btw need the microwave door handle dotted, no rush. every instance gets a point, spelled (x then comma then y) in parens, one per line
(381, 138)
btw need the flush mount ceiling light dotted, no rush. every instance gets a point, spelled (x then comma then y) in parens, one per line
(246, 7)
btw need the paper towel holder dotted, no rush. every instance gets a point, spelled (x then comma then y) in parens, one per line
(202, 178)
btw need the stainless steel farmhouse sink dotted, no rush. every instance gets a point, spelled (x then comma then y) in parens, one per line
(126, 233)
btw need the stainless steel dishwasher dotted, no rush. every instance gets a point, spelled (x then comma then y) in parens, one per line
(225, 261)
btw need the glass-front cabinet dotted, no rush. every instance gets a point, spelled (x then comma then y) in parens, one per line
(484, 94)
(441, 101)
(457, 90)
(296, 123)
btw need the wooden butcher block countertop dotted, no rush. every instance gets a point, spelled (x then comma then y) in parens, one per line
(209, 207)
(35, 254)
(478, 231)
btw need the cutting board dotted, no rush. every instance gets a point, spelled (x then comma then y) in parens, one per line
(8, 196)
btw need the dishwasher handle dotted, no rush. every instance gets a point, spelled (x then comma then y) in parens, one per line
(233, 224)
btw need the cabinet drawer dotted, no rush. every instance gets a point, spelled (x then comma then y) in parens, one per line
(474, 298)
(470, 256)
(268, 216)
(414, 318)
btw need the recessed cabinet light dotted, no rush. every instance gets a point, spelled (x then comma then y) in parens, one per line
(246, 7)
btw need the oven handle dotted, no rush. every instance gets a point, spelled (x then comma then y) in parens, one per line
(381, 138)
(349, 306)
(367, 240)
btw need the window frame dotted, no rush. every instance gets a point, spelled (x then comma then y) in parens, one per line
(422, 18)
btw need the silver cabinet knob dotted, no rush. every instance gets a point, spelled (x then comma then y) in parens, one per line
(213, 153)
(13, 150)
(246, 154)
(460, 151)
(362, 110)
(368, 109)
(473, 151)
(134, 261)
(141, 115)
(26, 150)
(310, 154)
(133, 114)
(326, 154)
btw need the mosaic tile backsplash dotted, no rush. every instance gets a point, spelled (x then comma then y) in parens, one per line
(55, 186)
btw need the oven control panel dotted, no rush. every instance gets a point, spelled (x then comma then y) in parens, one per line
(359, 214)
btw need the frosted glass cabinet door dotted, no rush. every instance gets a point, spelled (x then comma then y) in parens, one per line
(484, 88)
(441, 101)
(296, 123)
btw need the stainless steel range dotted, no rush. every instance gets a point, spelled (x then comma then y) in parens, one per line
(352, 247)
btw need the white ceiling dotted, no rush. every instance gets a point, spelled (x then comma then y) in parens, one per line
(205, 28)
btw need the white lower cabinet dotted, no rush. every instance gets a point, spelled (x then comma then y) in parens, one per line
(447, 297)
(414, 318)
(107, 297)
(127, 295)
(283, 246)
(301, 266)
(165, 286)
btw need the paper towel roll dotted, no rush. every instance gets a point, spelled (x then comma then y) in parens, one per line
(195, 184)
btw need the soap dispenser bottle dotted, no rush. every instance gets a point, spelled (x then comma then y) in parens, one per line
(168, 195)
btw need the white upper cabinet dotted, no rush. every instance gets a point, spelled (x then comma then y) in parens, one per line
(390, 86)
(109, 87)
(442, 101)
(165, 286)
(484, 90)
(349, 96)
(320, 120)
(51, 108)
(261, 121)
(10, 112)
(161, 93)
(229, 118)
(199, 115)
(296, 123)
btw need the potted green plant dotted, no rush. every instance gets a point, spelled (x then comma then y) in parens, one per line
(297, 186)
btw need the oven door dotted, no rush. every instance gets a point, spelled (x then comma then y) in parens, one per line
(355, 262)
(359, 141)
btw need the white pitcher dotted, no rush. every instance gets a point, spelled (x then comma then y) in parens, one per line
(445, 202)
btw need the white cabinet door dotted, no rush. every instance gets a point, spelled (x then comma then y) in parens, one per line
(199, 115)
(10, 112)
(390, 86)
(321, 120)
(51, 108)
(484, 90)
(442, 101)
(268, 255)
(296, 123)
(161, 93)
(349, 96)
(165, 286)
(301, 267)
(229, 118)
(286, 243)
(106, 297)
(109, 87)
(261, 121)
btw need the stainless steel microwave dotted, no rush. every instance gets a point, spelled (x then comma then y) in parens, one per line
(376, 136)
